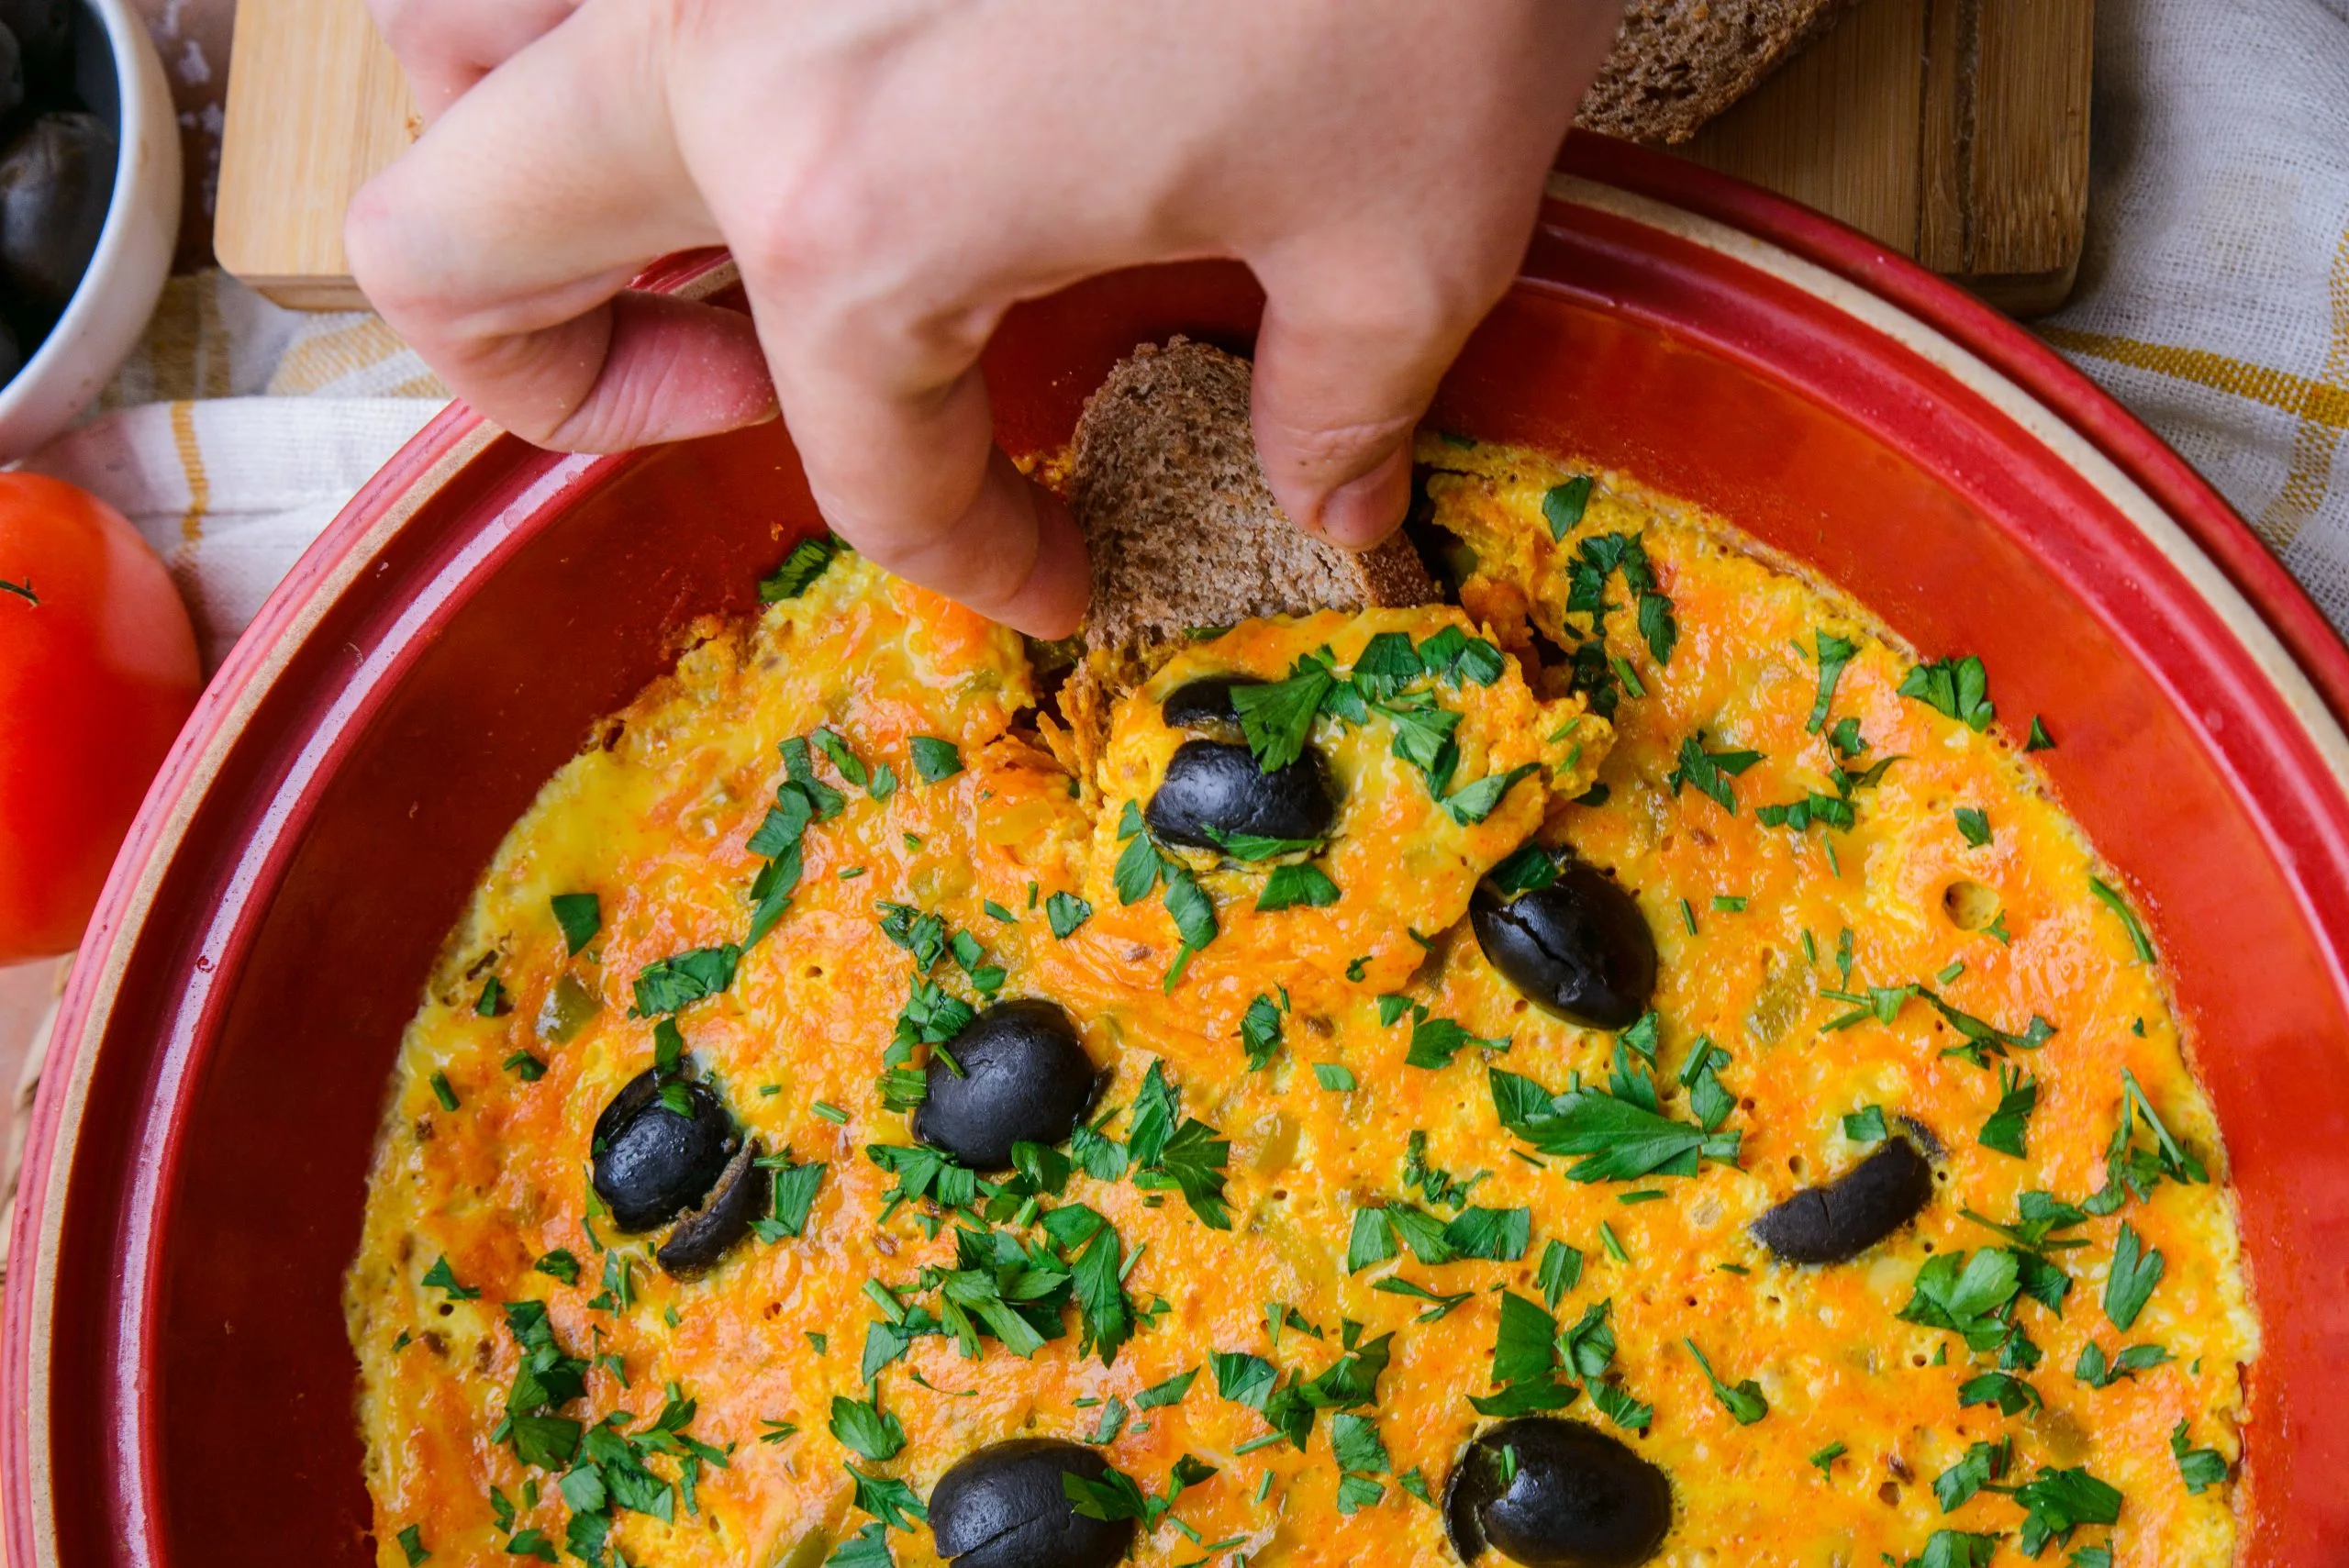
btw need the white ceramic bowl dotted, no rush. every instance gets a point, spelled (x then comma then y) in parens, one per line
(119, 290)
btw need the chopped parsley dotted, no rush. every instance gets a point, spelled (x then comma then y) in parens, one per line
(440, 1277)
(802, 566)
(2202, 1468)
(1065, 912)
(1619, 1136)
(1709, 772)
(1833, 654)
(2109, 896)
(2130, 1280)
(1959, 688)
(2040, 741)
(667, 984)
(1866, 1125)
(1435, 1041)
(2018, 1097)
(1260, 1032)
(1335, 1076)
(1562, 505)
(935, 759)
(1974, 823)
(1744, 1402)
(1293, 885)
(2059, 1501)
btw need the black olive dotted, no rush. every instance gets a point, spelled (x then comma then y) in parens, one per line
(1025, 1079)
(12, 358)
(1844, 1217)
(1579, 949)
(55, 182)
(704, 1235)
(1004, 1507)
(651, 1163)
(1217, 783)
(1204, 704)
(1564, 1495)
(43, 28)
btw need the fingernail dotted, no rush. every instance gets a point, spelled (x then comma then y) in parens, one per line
(1364, 511)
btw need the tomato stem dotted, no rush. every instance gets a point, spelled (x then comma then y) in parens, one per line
(23, 590)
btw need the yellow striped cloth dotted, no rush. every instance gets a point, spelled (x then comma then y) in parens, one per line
(2214, 294)
(237, 430)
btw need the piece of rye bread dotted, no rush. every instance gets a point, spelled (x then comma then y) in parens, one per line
(1676, 63)
(1183, 532)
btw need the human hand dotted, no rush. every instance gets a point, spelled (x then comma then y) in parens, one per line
(892, 176)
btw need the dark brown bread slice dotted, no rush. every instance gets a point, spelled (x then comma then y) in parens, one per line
(1676, 63)
(1183, 532)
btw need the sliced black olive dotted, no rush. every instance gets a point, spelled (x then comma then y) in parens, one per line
(1203, 704)
(1579, 949)
(651, 1163)
(1556, 1493)
(1844, 1217)
(1025, 1079)
(1217, 783)
(55, 182)
(704, 1235)
(1004, 1507)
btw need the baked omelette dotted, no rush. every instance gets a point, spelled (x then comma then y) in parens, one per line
(1628, 1066)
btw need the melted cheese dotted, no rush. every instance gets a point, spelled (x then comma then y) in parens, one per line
(656, 823)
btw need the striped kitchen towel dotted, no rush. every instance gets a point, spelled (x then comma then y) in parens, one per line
(235, 433)
(2213, 297)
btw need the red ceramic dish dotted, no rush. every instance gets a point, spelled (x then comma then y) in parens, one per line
(177, 1385)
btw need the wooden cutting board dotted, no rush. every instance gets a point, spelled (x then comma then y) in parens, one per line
(1955, 131)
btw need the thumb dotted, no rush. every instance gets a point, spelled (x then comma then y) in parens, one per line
(1347, 358)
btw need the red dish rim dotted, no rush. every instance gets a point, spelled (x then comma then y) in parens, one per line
(458, 435)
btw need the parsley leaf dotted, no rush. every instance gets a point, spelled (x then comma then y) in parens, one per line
(580, 915)
(1974, 823)
(1958, 687)
(935, 759)
(1866, 1125)
(1260, 1032)
(1293, 885)
(1832, 654)
(2131, 1280)
(1065, 912)
(1435, 1041)
(670, 983)
(2109, 896)
(1276, 716)
(1528, 870)
(1617, 1138)
(1710, 772)
(1744, 1402)
(802, 566)
(2059, 1501)
(2202, 1468)
(864, 1426)
(1562, 505)
(440, 1277)
(2018, 1097)
(1255, 846)
(1983, 1463)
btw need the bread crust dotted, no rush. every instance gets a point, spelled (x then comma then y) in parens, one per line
(1182, 529)
(1676, 63)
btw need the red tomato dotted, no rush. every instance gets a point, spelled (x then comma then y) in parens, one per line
(97, 671)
